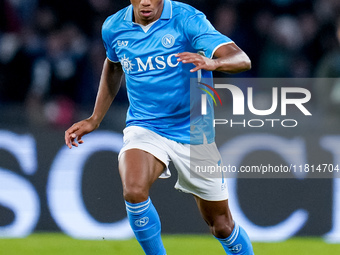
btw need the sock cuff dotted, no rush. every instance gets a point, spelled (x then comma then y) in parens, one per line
(145, 223)
(233, 236)
(137, 208)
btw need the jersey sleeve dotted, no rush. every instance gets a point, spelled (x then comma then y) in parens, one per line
(203, 36)
(108, 43)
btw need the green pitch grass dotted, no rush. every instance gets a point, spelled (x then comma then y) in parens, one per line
(59, 244)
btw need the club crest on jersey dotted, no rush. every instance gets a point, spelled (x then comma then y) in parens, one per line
(126, 64)
(168, 41)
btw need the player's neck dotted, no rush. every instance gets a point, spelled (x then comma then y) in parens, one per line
(145, 22)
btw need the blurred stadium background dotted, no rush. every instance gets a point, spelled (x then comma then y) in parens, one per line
(51, 56)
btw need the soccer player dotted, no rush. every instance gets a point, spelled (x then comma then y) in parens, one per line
(156, 44)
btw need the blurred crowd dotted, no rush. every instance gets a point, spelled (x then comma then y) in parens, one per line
(51, 52)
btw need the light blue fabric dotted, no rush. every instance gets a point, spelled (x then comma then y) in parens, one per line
(238, 243)
(158, 85)
(146, 225)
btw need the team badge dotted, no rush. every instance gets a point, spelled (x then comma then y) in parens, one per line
(142, 222)
(168, 41)
(126, 64)
(237, 248)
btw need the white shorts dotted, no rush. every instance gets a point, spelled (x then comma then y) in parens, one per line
(202, 185)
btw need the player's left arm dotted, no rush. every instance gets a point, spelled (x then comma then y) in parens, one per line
(227, 58)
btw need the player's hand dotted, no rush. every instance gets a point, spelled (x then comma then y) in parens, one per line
(73, 135)
(198, 60)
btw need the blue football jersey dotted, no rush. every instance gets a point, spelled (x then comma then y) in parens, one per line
(158, 86)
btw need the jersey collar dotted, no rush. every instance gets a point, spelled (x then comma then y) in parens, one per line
(167, 10)
(166, 13)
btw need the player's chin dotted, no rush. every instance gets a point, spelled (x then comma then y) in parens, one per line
(147, 16)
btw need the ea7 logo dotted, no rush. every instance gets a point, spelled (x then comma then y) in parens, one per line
(122, 43)
(142, 222)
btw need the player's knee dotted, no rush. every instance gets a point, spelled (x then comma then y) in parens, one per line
(135, 194)
(222, 228)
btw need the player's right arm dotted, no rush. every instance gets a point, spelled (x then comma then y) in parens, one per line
(108, 88)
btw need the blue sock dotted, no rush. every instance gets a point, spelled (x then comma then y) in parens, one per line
(146, 225)
(238, 243)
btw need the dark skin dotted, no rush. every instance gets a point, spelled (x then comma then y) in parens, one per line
(139, 169)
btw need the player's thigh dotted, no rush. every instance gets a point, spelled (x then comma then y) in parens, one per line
(139, 169)
(207, 186)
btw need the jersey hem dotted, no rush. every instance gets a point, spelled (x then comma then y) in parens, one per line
(213, 198)
(148, 127)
